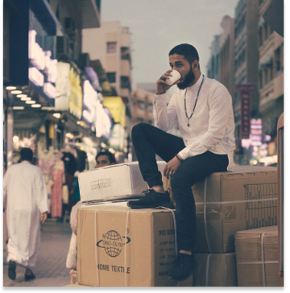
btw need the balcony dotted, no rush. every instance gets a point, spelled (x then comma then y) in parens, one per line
(90, 14)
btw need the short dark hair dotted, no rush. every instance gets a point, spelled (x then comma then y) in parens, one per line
(110, 156)
(26, 154)
(188, 51)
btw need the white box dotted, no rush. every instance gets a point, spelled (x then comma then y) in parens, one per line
(114, 181)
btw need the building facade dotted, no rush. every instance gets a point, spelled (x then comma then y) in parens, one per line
(270, 82)
(246, 59)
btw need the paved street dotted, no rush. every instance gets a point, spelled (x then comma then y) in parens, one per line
(50, 269)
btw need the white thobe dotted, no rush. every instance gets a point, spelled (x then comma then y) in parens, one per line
(25, 191)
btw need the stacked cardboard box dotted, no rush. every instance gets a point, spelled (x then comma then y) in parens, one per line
(227, 202)
(118, 246)
(257, 257)
(113, 182)
(121, 247)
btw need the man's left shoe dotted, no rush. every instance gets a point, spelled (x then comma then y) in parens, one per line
(184, 267)
(29, 277)
(152, 199)
(11, 270)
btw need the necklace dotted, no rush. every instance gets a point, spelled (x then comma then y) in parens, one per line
(195, 101)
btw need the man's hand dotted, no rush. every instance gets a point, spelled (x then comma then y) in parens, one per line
(171, 167)
(43, 217)
(161, 85)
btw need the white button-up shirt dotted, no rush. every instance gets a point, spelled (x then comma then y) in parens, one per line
(211, 127)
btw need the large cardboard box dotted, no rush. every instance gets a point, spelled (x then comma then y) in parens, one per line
(114, 181)
(215, 269)
(257, 257)
(121, 247)
(227, 202)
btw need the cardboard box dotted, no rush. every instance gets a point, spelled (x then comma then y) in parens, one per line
(121, 247)
(257, 257)
(114, 181)
(227, 202)
(217, 269)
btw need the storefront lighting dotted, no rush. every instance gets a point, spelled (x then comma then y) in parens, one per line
(18, 108)
(10, 88)
(21, 96)
(36, 106)
(112, 150)
(79, 122)
(56, 115)
(69, 135)
(15, 138)
(30, 102)
(25, 99)
(15, 92)
(103, 145)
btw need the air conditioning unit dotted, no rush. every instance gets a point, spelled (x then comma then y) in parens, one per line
(62, 47)
(69, 26)
(84, 60)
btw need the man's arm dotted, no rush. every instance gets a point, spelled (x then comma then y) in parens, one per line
(164, 116)
(41, 193)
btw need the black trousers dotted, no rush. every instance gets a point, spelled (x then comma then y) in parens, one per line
(149, 141)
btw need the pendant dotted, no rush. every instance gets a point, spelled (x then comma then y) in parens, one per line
(187, 124)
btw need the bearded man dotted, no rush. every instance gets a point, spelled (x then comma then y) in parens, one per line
(202, 107)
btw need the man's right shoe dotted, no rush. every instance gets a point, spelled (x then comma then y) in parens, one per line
(152, 199)
(11, 270)
(184, 267)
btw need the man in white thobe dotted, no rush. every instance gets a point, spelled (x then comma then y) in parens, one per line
(25, 192)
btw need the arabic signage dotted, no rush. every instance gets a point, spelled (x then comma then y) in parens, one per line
(69, 91)
(245, 92)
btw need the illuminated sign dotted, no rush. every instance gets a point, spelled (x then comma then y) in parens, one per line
(76, 94)
(103, 122)
(89, 102)
(117, 109)
(42, 69)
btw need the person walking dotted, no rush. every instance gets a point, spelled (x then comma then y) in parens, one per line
(202, 107)
(25, 193)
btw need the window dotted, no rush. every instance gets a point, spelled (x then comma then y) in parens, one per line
(277, 60)
(111, 77)
(111, 47)
(125, 82)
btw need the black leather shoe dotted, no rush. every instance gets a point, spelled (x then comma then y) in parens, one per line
(11, 270)
(184, 267)
(29, 277)
(152, 199)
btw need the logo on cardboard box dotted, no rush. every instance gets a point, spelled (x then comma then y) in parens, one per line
(113, 243)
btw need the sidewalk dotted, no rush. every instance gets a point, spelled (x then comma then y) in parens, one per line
(50, 269)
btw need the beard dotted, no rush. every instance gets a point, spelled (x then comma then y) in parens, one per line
(188, 79)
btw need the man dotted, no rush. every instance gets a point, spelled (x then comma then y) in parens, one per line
(202, 107)
(103, 159)
(25, 192)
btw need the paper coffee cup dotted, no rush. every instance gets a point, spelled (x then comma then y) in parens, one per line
(175, 75)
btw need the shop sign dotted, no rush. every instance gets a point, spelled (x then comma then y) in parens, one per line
(117, 108)
(32, 34)
(102, 122)
(76, 94)
(116, 140)
(89, 102)
(245, 92)
(256, 132)
(69, 90)
(62, 86)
